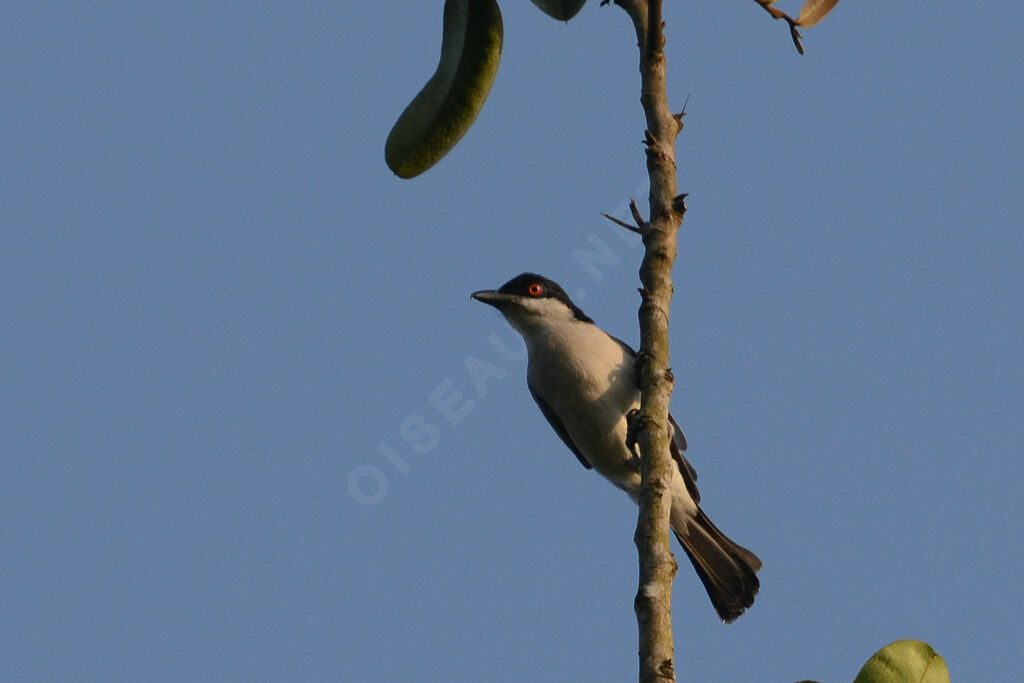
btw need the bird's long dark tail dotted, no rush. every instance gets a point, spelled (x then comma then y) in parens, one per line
(727, 569)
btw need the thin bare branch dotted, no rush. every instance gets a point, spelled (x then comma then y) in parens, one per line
(653, 603)
(779, 14)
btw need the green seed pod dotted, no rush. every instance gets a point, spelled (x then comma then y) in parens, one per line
(563, 10)
(446, 107)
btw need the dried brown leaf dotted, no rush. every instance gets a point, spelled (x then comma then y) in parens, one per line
(814, 11)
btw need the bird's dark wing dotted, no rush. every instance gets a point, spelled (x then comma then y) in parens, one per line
(677, 446)
(556, 424)
(678, 443)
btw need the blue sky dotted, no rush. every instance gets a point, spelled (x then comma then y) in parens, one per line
(241, 435)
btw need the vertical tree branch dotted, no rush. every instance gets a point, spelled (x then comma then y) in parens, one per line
(653, 603)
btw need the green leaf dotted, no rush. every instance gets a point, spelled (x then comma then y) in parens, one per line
(905, 661)
(814, 11)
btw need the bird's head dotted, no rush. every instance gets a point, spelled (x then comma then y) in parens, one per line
(530, 300)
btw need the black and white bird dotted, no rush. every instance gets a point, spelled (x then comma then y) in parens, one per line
(584, 382)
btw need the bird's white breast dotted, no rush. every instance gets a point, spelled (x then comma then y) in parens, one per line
(591, 376)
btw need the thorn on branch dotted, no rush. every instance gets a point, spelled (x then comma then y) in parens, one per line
(679, 203)
(682, 112)
(621, 223)
(641, 225)
(640, 222)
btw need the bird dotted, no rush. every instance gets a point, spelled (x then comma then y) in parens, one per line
(585, 383)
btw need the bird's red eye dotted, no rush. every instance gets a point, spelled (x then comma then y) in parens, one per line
(535, 289)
